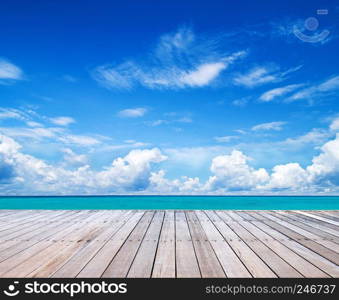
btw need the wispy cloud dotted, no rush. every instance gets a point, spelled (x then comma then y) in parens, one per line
(180, 60)
(80, 140)
(132, 112)
(319, 90)
(262, 75)
(169, 121)
(62, 121)
(9, 72)
(278, 92)
(10, 114)
(241, 102)
(69, 78)
(315, 136)
(269, 126)
(225, 139)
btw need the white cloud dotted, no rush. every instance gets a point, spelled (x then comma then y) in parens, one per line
(11, 113)
(278, 92)
(225, 139)
(263, 75)
(320, 90)
(34, 124)
(9, 72)
(240, 102)
(33, 175)
(232, 172)
(36, 133)
(289, 176)
(334, 126)
(315, 136)
(74, 159)
(185, 185)
(132, 112)
(269, 126)
(325, 166)
(81, 140)
(169, 121)
(203, 75)
(62, 121)
(180, 60)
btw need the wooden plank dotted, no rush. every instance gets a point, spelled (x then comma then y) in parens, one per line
(303, 217)
(313, 257)
(309, 235)
(274, 261)
(186, 261)
(164, 265)
(8, 226)
(80, 259)
(314, 224)
(69, 262)
(29, 226)
(232, 216)
(18, 215)
(74, 240)
(15, 247)
(314, 246)
(14, 261)
(90, 232)
(319, 218)
(98, 264)
(255, 265)
(326, 215)
(232, 265)
(207, 260)
(299, 263)
(331, 213)
(144, 259)
(306, 226)
(121, 263)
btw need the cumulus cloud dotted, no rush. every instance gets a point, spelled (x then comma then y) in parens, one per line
(232, 172)
(136, 172)
(132, 112)
(269, 126)
(290, 176)
(335, 125)
(74, 159)
(186, 185)
(9, 72)
(262, 75)
(129, 173)
(180, 60)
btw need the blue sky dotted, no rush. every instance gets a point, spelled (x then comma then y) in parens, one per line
(202, 97)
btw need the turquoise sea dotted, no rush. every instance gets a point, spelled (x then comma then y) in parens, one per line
(172, 202)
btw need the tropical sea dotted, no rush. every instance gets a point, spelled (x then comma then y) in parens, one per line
(172, 202)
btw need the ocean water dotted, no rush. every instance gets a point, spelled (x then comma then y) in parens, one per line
(172, 202)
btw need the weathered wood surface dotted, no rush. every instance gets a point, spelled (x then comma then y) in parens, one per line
(167, 243)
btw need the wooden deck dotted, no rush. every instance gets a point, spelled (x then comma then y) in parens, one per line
(126, 243)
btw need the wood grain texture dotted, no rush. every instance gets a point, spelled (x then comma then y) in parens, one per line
(168, 243)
